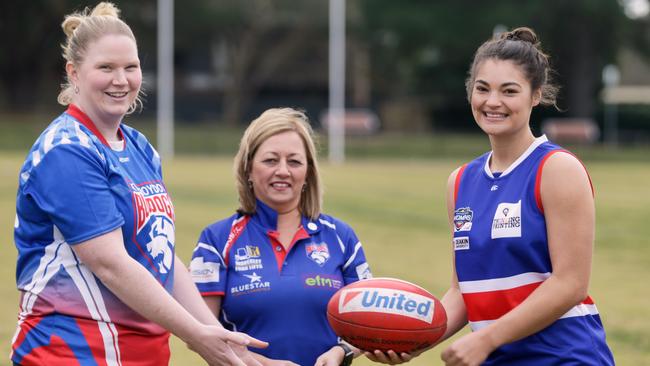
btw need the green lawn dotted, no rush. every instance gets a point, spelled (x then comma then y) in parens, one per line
(397, 209)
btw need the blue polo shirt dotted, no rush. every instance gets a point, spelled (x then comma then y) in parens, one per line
(274, 294)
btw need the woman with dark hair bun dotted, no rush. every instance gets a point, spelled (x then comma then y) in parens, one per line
(522, 220)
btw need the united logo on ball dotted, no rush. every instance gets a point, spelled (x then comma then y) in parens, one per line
(387, 314)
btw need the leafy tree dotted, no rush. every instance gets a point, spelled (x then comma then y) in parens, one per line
(425, 47)
(252, 44)
(31, 66)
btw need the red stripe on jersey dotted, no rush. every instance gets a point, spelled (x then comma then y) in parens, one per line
(82, 117)
(44, 355)
(492, 305)
(236, 230)
(457, 182)
(213, 293)
(93, 336)
(138, 349)
(538, 177)
(25, 327)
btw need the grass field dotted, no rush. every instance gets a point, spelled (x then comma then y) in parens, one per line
(397, 209)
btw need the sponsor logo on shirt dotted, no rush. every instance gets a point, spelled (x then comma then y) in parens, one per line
(248, 258)
(255, 285)
(388, 301)
(463, 219)
(204, 272)
(319, 253)
(461, 243)
(322, 281)
(507, 220)
(363, 271)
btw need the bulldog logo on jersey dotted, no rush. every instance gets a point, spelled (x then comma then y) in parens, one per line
(154, 223)
(463, 219)
(162, 243)
(507, 220)
(318, 253)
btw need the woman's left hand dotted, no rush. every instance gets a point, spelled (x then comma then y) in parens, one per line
(470, 350)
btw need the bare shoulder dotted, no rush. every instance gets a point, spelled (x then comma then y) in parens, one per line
(564, 179)
(451, 181)
(563, 167)
(451, 191)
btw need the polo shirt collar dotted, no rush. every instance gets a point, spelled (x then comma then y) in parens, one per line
(268, 218)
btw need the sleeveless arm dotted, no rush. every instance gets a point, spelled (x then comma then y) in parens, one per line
(452, 301)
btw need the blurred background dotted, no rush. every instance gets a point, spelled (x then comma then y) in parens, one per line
(405, 62)
(407, 120)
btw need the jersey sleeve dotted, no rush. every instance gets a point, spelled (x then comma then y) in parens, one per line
(207, 268)
(355, 267)
(72, 187)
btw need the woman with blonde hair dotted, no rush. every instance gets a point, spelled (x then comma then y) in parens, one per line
(99, 280)
(270, 269)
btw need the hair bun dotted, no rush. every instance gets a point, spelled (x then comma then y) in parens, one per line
(523, 34)
(70, 23)
(106, 8)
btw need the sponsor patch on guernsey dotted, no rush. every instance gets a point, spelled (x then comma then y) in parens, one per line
(247, 258)
(387, 301)
(204, 272)
(507, 220)
(363, 271)
(461, 243)
(463, 219)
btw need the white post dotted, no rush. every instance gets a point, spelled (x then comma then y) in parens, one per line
(611, 79)
(336, 111)
(165, 83)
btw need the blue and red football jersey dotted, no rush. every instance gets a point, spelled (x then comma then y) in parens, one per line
(502, 256)
(74, 187)
(274, 294)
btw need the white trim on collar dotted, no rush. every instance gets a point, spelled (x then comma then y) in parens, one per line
(538, 141)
